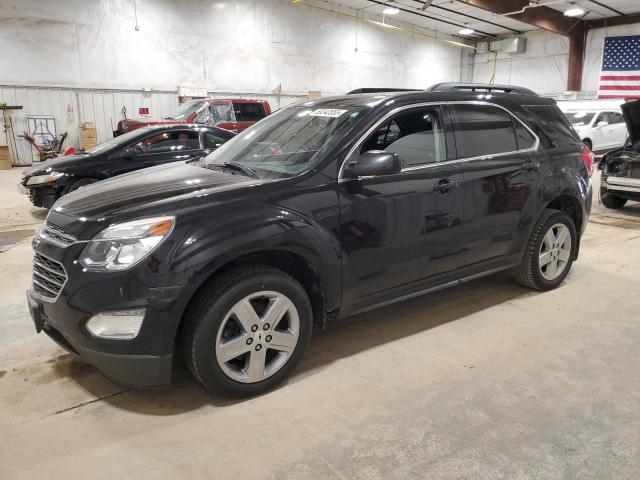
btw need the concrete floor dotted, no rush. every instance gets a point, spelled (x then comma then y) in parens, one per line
(484, 381)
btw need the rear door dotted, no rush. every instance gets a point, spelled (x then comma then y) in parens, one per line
(398, 231)
(619, 131)
(499, 168)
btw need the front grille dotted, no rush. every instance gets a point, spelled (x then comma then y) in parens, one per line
(48, 277)
(57, 235)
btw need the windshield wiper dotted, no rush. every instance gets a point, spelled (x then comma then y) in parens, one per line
(169, 118)
(241, 168)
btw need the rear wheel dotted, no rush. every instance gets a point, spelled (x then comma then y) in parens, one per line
(612, 201)
(550, 251)
(247, 330)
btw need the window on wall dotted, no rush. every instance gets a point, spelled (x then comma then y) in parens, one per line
(416, 136)
(484, 130)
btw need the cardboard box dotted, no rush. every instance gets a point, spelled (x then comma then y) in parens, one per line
(5, 163)
(87, 126)
(4, 151)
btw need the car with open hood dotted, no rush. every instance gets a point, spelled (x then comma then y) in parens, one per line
(620, 179)
(146, 147)
(327, 208)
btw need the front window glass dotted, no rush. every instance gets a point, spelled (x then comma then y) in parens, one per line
(184, 111)
(579, 119)
(416, 136)
(174, 141)
(288, 142)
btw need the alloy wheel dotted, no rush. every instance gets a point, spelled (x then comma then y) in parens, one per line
(555, 251)
(257, 337)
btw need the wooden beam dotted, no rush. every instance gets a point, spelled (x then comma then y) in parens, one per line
(541, 17)
(577, 42)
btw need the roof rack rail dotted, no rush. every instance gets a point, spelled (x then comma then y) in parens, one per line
(381, 90)
(480, 87)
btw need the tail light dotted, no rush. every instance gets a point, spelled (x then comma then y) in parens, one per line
(587, 158)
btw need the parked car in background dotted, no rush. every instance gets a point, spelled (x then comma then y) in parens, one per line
(599, 129)
(620, 179)
(141, 148)
(235, 114)
(329, 208)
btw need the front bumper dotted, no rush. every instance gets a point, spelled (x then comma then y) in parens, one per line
(145, 360)
(41, 196)
(134, 370)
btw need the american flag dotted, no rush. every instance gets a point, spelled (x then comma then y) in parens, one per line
(620, 76)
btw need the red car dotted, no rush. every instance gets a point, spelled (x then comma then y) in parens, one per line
(234, 114)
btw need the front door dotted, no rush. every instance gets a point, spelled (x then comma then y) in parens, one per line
(499, 167)
(166, 147)
(398, 230)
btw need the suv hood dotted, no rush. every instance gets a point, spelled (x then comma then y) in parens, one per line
(631, 112)
(145, 189)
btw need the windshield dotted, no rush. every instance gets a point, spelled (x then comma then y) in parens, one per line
(579, 119)
(288, 142)
(117, 141)
(184, 111)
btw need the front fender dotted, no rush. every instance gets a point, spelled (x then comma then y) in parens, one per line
(207, 246)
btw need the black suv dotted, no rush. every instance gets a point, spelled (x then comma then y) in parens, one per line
(324, 209)
(141, 148)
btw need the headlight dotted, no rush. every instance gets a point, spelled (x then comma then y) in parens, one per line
(40, 179)
(122, 245)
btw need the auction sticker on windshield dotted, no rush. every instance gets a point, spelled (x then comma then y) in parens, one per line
(328, 112)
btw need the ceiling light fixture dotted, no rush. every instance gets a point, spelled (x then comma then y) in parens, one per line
(466, 31)
(391, 11)
(574, 11)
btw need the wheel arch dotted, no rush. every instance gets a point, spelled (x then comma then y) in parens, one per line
(294, 263)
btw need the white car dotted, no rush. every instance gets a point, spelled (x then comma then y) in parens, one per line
(599, 129)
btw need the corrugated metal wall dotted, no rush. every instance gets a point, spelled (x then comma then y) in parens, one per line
(71, 107)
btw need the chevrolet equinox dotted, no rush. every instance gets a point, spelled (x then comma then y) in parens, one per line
(325, 209)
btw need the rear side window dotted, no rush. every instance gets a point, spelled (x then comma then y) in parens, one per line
(173, 141)
(249, 112)
(212, 141)
(482, 130)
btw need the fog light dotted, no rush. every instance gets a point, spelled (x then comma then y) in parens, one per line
(122, 325)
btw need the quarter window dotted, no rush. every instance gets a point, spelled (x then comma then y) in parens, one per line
(483, 130)
(524, 139)
(417, 136)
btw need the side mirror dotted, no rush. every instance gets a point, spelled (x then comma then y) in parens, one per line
(374, 163)
(602, 124)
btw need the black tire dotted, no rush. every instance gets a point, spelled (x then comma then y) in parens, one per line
(588, 144)
(612, 201)
(528, 273)
(210, 307)
(81, 182)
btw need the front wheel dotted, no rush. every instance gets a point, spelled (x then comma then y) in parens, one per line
(247, 330)
(612, 201)
(550, 252)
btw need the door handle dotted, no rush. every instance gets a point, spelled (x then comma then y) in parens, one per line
(444, 185)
